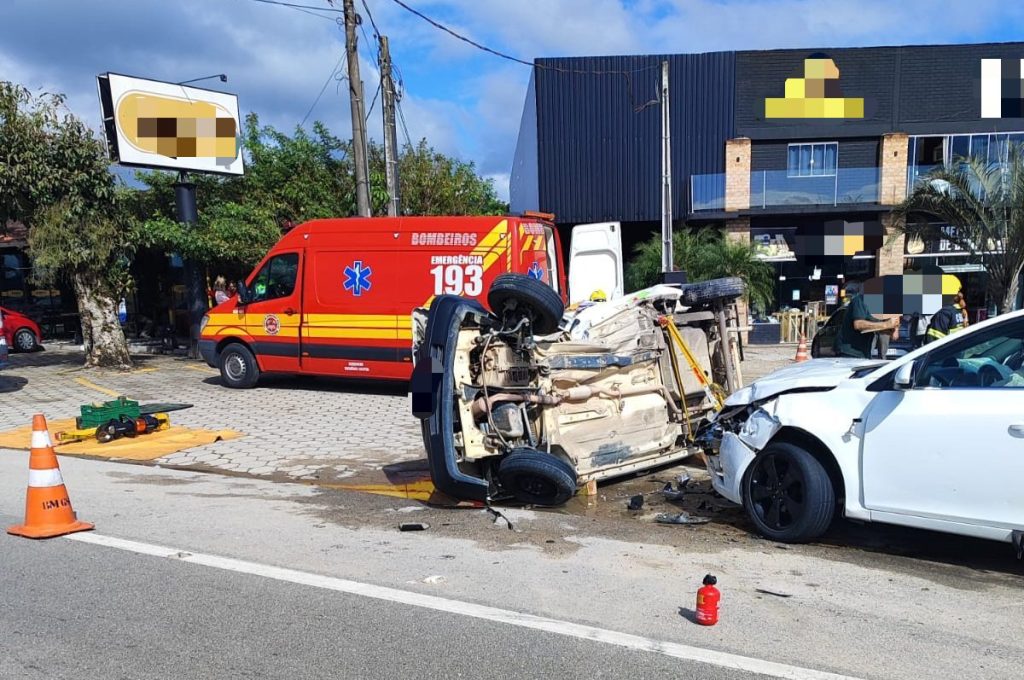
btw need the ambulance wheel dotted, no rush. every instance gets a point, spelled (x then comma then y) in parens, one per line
(537, 478)
(238, 367)
(522, 294)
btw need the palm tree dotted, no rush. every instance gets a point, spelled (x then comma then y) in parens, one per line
(704, 254)
(984, 202)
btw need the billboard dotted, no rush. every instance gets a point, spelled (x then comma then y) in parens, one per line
(152, 124)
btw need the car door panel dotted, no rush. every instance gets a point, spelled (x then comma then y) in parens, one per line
(945, 453)
(951, 447)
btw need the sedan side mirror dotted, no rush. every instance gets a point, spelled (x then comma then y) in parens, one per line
(904, 378)
(243, 294)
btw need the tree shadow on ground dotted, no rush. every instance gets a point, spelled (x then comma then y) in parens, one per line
(66, 358)
(11, 383)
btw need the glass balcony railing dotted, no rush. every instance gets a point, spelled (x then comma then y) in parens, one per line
(775, 188)
(707, 192)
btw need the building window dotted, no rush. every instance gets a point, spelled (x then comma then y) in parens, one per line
(812, 160)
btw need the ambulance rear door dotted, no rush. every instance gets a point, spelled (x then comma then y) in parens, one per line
(595, 261)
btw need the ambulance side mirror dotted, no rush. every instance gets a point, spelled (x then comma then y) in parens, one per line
(244, 297)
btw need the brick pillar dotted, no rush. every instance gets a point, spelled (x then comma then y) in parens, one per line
(891, 255)
(892, 181)
(738, 231)
(737, 174)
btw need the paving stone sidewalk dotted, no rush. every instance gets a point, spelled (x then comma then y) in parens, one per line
(298, 428)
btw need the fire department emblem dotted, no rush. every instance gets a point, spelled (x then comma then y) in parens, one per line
(535, 271)
(271, 324)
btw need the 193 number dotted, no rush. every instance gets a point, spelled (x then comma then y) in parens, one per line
(458, 279)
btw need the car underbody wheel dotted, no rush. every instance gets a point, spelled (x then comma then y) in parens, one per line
(530, 296)
(816, 348)
(238, 367)
(537, 478)
(25, 340)
(788, 494)
(703, 292)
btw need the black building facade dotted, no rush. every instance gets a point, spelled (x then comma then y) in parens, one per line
(778, 147)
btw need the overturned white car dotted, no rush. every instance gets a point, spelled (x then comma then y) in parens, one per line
(934, 440)
(520, 402)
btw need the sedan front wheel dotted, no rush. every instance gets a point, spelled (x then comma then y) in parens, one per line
(788, 494)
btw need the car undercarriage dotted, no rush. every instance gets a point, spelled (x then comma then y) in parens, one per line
(525, 402)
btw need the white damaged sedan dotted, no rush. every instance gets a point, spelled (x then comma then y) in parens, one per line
(933, 440)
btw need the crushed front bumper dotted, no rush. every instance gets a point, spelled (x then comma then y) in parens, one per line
(433, 396)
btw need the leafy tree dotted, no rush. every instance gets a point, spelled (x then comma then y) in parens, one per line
(292, 179)
(984, 202)
(54, 178)
(704, 254)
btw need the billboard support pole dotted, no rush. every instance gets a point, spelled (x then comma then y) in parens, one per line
(195, 288)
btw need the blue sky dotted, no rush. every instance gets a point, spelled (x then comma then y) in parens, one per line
(465, 102)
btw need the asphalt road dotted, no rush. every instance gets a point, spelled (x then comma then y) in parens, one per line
(70, 610)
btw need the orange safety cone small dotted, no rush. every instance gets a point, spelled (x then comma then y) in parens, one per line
(801, 350)
(48, 511)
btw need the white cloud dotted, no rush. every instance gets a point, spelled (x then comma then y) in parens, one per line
(465, 102)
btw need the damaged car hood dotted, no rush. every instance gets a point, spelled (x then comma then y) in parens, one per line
(817, 374)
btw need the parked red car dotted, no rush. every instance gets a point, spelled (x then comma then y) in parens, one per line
(22, 333)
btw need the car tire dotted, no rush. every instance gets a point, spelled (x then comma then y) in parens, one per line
(25, 340)
(788, 495)
(703, 292)
(537, 478)
(524, 293)
(238, 367)
(816, 348)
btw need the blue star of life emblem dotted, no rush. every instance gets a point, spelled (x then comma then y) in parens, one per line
(357, 278)
(536, 272)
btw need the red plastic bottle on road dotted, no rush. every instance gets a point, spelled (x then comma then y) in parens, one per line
(707, 602)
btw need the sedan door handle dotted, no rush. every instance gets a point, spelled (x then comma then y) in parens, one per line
(289, 311)
(1017, 430)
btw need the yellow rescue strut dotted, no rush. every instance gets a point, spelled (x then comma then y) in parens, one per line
(710, 390)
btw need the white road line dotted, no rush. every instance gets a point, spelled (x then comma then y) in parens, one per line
(514, 618)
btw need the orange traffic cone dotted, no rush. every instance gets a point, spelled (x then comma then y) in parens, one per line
(48, 510)
(801, 350)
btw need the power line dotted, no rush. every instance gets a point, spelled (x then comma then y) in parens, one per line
(369, 14)
(405, 128)
(503, 55)
(306, 9)
(373, 102)
(322, 89)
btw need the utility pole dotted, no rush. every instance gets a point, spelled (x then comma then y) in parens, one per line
(667, 263)
(388, 96)
(355, 93)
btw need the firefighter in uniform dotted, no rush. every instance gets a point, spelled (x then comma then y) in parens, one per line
(949, 319)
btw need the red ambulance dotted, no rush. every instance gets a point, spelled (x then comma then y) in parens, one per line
(335, 296)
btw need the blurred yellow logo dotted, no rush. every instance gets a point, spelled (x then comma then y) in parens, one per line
(177, 128)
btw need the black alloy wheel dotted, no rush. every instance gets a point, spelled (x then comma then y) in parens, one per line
(788, 494)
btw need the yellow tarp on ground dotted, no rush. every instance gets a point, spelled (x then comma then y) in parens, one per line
(143, 447)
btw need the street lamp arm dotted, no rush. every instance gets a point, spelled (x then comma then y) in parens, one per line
(223, 78)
